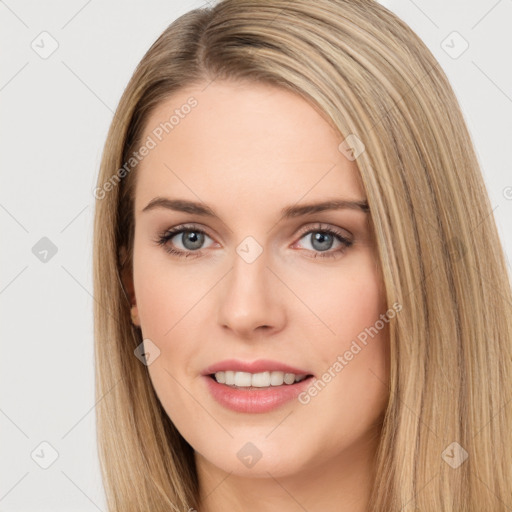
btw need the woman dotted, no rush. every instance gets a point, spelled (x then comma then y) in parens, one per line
(301, 296)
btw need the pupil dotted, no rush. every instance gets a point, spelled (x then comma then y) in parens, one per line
(192, 240)
(324, 240)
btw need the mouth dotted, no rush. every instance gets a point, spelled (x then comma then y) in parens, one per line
(255, 381)
(269, 386)
(258, 386)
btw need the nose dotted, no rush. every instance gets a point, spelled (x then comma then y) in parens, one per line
(251, 299)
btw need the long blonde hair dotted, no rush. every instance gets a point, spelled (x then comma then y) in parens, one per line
(451, 359)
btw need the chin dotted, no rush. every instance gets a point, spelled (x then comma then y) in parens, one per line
(254, 456)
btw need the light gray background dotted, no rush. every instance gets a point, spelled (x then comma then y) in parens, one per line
(55, 113)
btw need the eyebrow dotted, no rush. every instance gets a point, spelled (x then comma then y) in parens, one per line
(186, 206)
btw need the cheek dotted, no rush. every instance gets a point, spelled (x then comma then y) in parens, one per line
(164, 294)
(349, 301)
(165, 300)
(355, 349)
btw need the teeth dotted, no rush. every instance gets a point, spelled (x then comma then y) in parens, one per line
(257, 380)
(243, 379)
(289, 378)
(276, 378)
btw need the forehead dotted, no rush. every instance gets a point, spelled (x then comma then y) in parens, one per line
(243, 141)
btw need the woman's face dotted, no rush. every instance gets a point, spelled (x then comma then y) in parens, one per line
(261, 284)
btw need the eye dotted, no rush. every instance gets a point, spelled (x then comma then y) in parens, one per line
(321, 240)
(190, 237)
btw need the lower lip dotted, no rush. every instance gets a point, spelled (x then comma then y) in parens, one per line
(255, 400)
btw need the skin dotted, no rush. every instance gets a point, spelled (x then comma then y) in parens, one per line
(248, 150)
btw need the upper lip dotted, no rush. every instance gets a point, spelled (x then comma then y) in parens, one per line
(260, 365)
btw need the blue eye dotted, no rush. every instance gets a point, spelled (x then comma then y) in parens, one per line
(322, 239)
(192, 239)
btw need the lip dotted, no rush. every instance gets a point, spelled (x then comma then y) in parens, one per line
(260, 365)
(254, 400)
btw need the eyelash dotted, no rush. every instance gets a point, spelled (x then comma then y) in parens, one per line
(162, 240)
